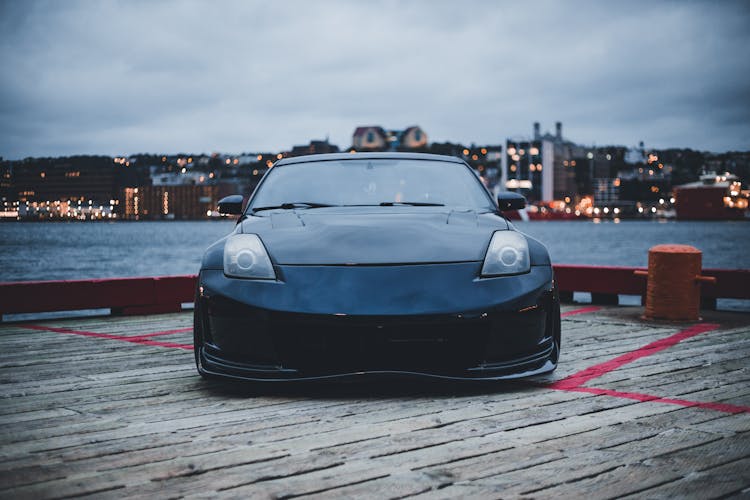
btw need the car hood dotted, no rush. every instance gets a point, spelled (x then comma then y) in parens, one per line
(384, 235)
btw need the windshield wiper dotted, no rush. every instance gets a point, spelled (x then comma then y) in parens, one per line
(410, 203)
(290, 206)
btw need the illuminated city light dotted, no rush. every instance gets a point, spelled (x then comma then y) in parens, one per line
(516, 184)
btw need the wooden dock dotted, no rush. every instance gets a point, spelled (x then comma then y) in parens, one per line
(113, 407)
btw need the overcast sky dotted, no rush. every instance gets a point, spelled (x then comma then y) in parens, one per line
(98, 77)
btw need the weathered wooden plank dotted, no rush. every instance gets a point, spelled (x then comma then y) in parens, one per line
(141, 422)
(723, 481)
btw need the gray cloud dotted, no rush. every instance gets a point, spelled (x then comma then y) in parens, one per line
(125, 77)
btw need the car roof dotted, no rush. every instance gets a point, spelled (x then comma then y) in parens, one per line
(368, 156)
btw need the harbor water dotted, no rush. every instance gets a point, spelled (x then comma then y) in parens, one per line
(32, 251)
(64, 251)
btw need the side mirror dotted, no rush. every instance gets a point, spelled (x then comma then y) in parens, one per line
(231, 205)
(508, 200)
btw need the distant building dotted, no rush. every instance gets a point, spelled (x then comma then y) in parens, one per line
(376, 138)
(314, 148)
(411, 138)
(63, 179)
(524, 168)
(370, 138)
(636, 155)
(187, 178)
(548, 167)
(606, 191)
(169, 202)
(541, 167)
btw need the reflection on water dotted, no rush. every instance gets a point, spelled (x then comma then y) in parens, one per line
(80, 250)
(39, 251)
(724, 243)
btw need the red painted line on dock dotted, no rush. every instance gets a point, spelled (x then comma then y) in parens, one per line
(165, 332)
(574, 383)
(592, 372)
(582, 310)
(133, 340)
(727, 408)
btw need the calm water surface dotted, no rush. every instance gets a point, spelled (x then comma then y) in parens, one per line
(42, 251)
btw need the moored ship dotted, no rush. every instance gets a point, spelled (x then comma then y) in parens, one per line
(713, 197)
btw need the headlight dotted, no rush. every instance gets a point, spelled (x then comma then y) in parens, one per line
(508, 253)
(246, 257)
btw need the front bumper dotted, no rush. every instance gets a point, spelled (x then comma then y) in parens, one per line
(319, 322)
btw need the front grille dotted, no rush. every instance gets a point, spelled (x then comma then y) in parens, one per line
(320, 347)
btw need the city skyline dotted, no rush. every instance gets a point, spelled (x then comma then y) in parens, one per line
(175, 76)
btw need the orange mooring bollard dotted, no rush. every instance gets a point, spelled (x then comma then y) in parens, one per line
(673, 287)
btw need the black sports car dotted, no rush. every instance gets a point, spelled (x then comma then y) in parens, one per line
(372, 263)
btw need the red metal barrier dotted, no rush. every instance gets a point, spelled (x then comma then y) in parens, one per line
(167, 293)
(605, 283)
(121, 295)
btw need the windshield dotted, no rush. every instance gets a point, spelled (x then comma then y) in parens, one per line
(372, 182)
